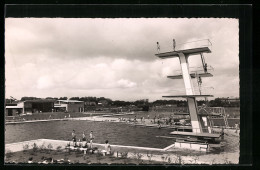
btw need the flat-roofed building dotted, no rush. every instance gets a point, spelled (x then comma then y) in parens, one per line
(29, 106)
(69, 105)
(14, 109)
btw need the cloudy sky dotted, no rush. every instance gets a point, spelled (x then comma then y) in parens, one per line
(115, 58)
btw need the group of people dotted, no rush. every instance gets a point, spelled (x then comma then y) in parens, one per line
(84, 142)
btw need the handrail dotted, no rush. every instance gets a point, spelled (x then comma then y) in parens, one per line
(185, 45)
(194, 70)
(197, 129)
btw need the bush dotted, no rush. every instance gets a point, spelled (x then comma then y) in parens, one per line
(49, 147)
(124, 154)
(42, 148)
(25, 148)
(195, 158)
(179, 160)
(34, 147)
(8, 153)
(59, 148)
(226, 161)
(138, 156)
(149, 155)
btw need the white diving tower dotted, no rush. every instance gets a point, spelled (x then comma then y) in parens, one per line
(198, 126)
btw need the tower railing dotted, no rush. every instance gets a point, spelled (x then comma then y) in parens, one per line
(197, 91)
(186, 45)
(194, 70)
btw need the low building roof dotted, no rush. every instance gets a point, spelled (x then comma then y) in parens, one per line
(13, 107)
(40, 101)
(75, 101)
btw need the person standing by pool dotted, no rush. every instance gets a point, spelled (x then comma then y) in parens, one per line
(222, 133)
(236, 127)
(84, 139)
(83, 136)
(91, 137)
(73, 137)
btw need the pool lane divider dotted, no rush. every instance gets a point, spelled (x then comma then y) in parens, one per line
(16, 147)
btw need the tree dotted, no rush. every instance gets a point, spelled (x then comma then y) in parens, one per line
(63, 98)
(54, 98)
(28, 98)
(74, 98)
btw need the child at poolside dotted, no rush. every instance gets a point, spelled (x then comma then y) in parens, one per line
(107, 150)
(107, 147)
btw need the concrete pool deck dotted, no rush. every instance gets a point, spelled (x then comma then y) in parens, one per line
(33, 121)
(145, 123)
(15, 147)
(154, 154)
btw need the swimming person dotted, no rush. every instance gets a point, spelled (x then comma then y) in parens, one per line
(73, 137)
(91, 137)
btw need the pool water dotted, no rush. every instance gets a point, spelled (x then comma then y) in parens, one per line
(116, 133)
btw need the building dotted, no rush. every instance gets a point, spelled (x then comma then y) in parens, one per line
(14, 109)
(29, 106)
(103, 102)
(69, 106)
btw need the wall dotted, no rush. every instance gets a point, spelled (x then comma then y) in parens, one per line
(75, 107)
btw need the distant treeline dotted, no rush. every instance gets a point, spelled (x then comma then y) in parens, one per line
(217, 102)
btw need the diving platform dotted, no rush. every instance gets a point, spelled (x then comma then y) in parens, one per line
(192, 75)
(181, 113)
(188, 96)
(186, 52)
(192, 134)
(210, 114)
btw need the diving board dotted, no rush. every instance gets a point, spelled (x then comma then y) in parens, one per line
(187, 52)
(192, 75)
(188, 96)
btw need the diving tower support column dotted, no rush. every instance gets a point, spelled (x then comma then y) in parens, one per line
(195, 120)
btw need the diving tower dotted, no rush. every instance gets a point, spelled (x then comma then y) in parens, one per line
(197, 123)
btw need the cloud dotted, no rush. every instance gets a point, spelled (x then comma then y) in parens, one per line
(44, 83)
(114, 57)
(126, 83)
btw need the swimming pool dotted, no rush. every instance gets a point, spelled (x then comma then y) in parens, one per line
(116, 133)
